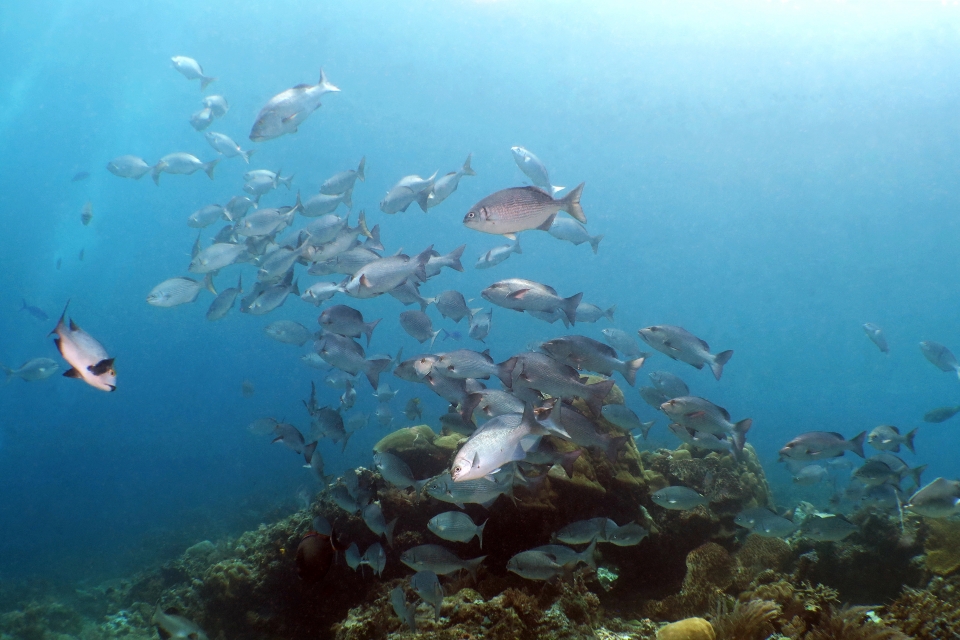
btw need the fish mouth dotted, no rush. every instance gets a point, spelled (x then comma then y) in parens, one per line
(113, 387)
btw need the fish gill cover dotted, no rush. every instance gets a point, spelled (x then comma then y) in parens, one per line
(716, 203)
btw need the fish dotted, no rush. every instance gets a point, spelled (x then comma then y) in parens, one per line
(875, 334)
(172, 626)
(262, 426)
(492, 403)
(344, 181)
(940, 356)
(373, 517)
(427, 586)
(495, 256)
(79, 176)
(225, 146)
(191, 70)
(205, 216)
(748, 518)
(87, 358)
(406, 613)
(32, 370)
(587, 312)
(885, 468)
(450, 261)
(414, 409)
(509, 211)
(177, 291)
(584, 531)
(582, 353)
(128, 167)
(626, 419)
(439, 560)
(419, 326)
(375, 558)
(699, 414)
(527, 295)
(181, 164)
(346, 321)
(384, 414)
(345, 354)
(575, 233)
(397, 472)
(237, 207)
(320, 292)
(774, 527)
(384, 393)
(36, 312)
(287, 110)
(384, 274)
(456, 423)
(941, 414)
(352, 556)
(501, 440)
(542, 373)
(456, 526)
(826, 528)
(405, 192)
(247, 389)
(217, 104)
(291, 437)
(670, 385)
(481, 491)
(201, 119)
(817, 445)
(939, 499)
(887, 438)
(224, 301)
(810, 475)
(627, 535)
(480, 325)
(444, 186)
(289, 332)
(537, 565)
(622, 342)
(315, 554)
(565, 555)
(679, 498)
(653, 396)
(533, 168)
(680, 344)
(321, 205)
(217, 256)
(466, 364)
(86, 214)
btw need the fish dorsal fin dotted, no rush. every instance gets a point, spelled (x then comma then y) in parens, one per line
(304, 86)
(703, 343)
(518, 294)
(485, 353)
(839, 436)
(726, 414)
(101, 367)
(73, 325)
(71, 373)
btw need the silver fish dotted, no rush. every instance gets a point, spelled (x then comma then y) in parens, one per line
(217, 104)
(480, 325)
(492, 403)
(495, 256)
(627, 535)
(217, 256)
(451, 304)
(887, 438)
(224, 301)
(810, 475)
(536, 565)
(289, 332)
(181, 164)
(373, 517)
(699, 414)
(584, 531)
(384, 274)
(405, 192)
(375, 558)
(587, 312)
(680, 344)
(408, 292)
(32, 370)
(427, 586)
(319, 292)
(176, 627)
(396, 471)
(342, 182)
(321, 205)
(669, 384)
(176, 291)
(817, 445)
(480, 491)
(542, 373)
(939, 499)
(451, 261)
(191, 70)
(456, 526)
(465, 364)
(439, 560)
(201, 119)
(941, 414)
(583, 432)
(875, 334)
(565, 555)
(414, 409)
(679, 498)
(503, 439)
(623, 417)
(224, 145)
(444, 186)
(285, 111)
(510, 211)
(405, 612)
(582, 353)
(653, 396)
(384, 414)
(346, 321)
(575, 233)
(940, 356)
(533, 169)
(272, 297)
(128, 167)
(205, 216)
(419, 326)
(826, 528)
(526, 295)
(237, 207)
(622, 342)
(346, 355)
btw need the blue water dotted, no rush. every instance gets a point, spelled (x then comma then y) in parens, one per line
(768, 175)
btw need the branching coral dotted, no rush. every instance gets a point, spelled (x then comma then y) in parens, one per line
(751, 620)
(852, 623)
(926, 614)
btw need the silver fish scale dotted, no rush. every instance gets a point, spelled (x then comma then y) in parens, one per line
(518, 203)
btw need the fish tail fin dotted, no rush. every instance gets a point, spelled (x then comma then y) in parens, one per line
(372, 370)
(295, 288)
(373, 241)
(206, 81)
(856, 444)
(9, 372)
(480, 532)
(468, 406)
(368, 328)
(155, 172)
(208, 283)
(246, 155)
(645, 428)
(598, 392)
(308, 452)
(286, 181)
(422, 258)
(505, 372)
(423, 198)
(347, 199)
(630, 370)
(466, 169)
(568, 460)
(718, 361)
(360, 169)
(208, 167)
(588, 555)
(569, 307)
(471, 565)
(346, 439)
(595, 243)
(327, 86)
(608, 314)
(571, 204)
(614, 447)
(433, 337)
(908, 440)
(516, 246)
(915, 474)
(388, 532)
(740, 434)
(454, 258)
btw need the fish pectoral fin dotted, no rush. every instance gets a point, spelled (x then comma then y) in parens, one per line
(365, 282)
(518, 294)
(510, 236)
(71, 373)
(696, 414)
(290, 118)
(101, 367)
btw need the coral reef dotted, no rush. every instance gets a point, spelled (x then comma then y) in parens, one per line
(932, 613)
(942, 546)
(687, 629)
(750, 620)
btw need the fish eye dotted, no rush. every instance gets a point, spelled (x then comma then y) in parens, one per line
(471, 215)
